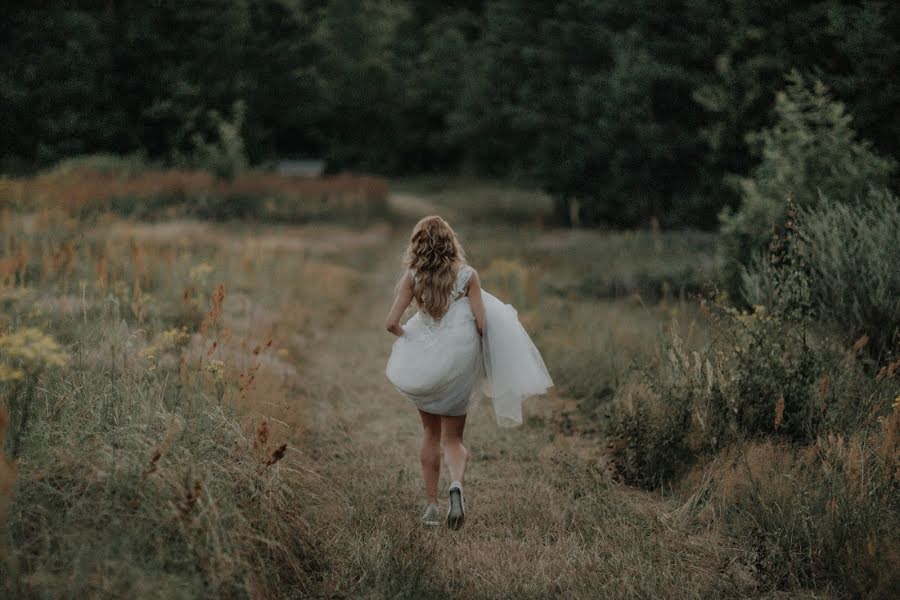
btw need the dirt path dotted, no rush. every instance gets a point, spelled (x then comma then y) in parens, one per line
(543, 518)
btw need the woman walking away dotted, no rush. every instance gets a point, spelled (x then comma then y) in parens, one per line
(463, 343)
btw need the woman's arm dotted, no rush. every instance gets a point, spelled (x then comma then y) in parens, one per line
(401, 301)
(475, 301)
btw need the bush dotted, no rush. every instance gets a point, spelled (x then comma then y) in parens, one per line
(223, 153)
(854, 284)
(763, 375)
(651, 427)
(825, 516)
(811, 150)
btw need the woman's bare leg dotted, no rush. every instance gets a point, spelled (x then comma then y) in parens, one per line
(430, 454)
(455, 454)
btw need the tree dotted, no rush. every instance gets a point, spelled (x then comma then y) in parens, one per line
(810, 150)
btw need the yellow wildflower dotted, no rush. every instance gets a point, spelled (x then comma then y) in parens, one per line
(31, 349)
(8, 373)
(216, 368)
(175, 337)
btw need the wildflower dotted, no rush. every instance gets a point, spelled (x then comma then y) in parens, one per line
(216, 368)
(30, 350)
(150, 353)
(176, 337)
(8, 373)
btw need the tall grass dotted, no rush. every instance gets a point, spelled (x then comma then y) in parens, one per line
(773, 424)
(148, 399)
(793, 425)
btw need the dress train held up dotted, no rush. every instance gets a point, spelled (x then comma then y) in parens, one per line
(443, 366)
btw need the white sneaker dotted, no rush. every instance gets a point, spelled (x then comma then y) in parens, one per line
(456, 514)
(432, 516)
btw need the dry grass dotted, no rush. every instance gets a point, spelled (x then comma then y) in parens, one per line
(142, 469)
(546, 520)
(224, 428)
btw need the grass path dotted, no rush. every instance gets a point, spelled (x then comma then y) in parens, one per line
(543, 518)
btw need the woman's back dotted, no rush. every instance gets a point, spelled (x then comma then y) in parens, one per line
(457, 294)
(437, 362)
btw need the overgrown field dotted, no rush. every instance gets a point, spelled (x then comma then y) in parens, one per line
(128, 187)
(197, 408)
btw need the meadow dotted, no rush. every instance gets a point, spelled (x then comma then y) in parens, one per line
(194, 405)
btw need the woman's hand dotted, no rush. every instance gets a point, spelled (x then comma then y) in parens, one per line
(401, 301)
(395, 328)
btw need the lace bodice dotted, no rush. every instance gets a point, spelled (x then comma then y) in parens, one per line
(458, 291)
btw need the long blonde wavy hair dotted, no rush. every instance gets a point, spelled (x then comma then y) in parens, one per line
(435, 255)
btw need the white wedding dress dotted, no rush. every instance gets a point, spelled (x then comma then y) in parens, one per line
(443, 366)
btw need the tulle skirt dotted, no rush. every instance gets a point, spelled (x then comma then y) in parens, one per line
(444, 366)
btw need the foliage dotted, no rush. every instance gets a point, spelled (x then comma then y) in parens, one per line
(772, 371)
(854, 285)
(224, 155)
(811, 150)
(24, 356)
(479, 200)
(623, 112)
(843, 44)
(652, 446)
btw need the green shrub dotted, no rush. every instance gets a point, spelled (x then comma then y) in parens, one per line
(762, 375)
(651, 427)
(221, 153)
(811, 150)
(850, 258)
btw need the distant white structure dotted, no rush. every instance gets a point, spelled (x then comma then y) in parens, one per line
(300, 168)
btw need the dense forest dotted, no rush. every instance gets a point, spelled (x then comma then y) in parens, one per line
(637, 110)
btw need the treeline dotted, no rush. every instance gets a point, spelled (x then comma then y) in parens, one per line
(624, 111)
